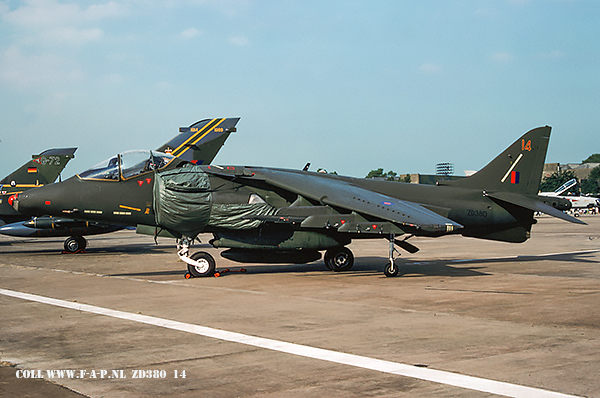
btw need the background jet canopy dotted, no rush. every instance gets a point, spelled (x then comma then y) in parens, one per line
(127, 164)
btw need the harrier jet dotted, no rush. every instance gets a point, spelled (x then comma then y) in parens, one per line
(272, 215)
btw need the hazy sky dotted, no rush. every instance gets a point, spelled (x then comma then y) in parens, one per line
(346, 85)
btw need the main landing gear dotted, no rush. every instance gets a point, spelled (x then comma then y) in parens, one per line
(199, 264)
(339, 259)
(75, 244)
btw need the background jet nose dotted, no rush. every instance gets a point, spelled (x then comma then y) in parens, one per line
(24, 203)
(45, 200)
(13, 201)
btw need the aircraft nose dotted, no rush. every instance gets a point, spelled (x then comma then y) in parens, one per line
(12, 199)
(35, 201)
(19, 202)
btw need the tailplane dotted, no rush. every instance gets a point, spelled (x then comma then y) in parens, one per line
(201, 142)
(516, 170)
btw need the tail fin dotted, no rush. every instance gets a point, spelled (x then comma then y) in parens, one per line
(201, 142)
(516, 170)
(42, 169)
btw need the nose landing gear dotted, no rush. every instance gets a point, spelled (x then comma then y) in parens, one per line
(199, 264)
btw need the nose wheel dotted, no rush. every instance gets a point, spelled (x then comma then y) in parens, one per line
(199, 264)
(205, 265)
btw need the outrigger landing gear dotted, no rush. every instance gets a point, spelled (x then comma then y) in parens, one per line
(391, 269)
(199, 264)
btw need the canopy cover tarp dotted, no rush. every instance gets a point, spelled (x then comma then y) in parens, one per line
(183, 203)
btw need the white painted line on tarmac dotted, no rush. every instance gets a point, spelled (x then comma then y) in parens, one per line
(436, 376)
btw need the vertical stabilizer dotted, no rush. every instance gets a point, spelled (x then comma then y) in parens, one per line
(201, 142)
(516, 170)
(42, 169)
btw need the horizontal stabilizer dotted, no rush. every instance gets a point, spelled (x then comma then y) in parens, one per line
(533, 204)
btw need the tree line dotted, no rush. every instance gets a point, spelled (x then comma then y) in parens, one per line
(389, 176)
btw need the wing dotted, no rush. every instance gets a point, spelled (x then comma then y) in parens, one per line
(338, 193)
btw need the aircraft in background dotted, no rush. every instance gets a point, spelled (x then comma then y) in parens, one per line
(268, 215)
(577, 201)
(42, 169)
(562, 189)
(198, 144)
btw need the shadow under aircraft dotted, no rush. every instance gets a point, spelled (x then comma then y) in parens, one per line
(270, 215)
(196, 144)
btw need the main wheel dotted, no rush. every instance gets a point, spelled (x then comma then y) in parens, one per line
(327, 260)
(82, 242)
(74, 244)
(206, 265)
(391, 269)
(339, 259)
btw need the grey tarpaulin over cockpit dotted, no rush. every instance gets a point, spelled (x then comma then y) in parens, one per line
(183, 203)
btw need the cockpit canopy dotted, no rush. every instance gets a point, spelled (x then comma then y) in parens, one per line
(127, 165)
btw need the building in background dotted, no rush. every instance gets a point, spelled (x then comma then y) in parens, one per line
(581, 170)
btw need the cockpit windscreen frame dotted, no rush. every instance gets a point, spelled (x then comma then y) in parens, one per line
(127, 165)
